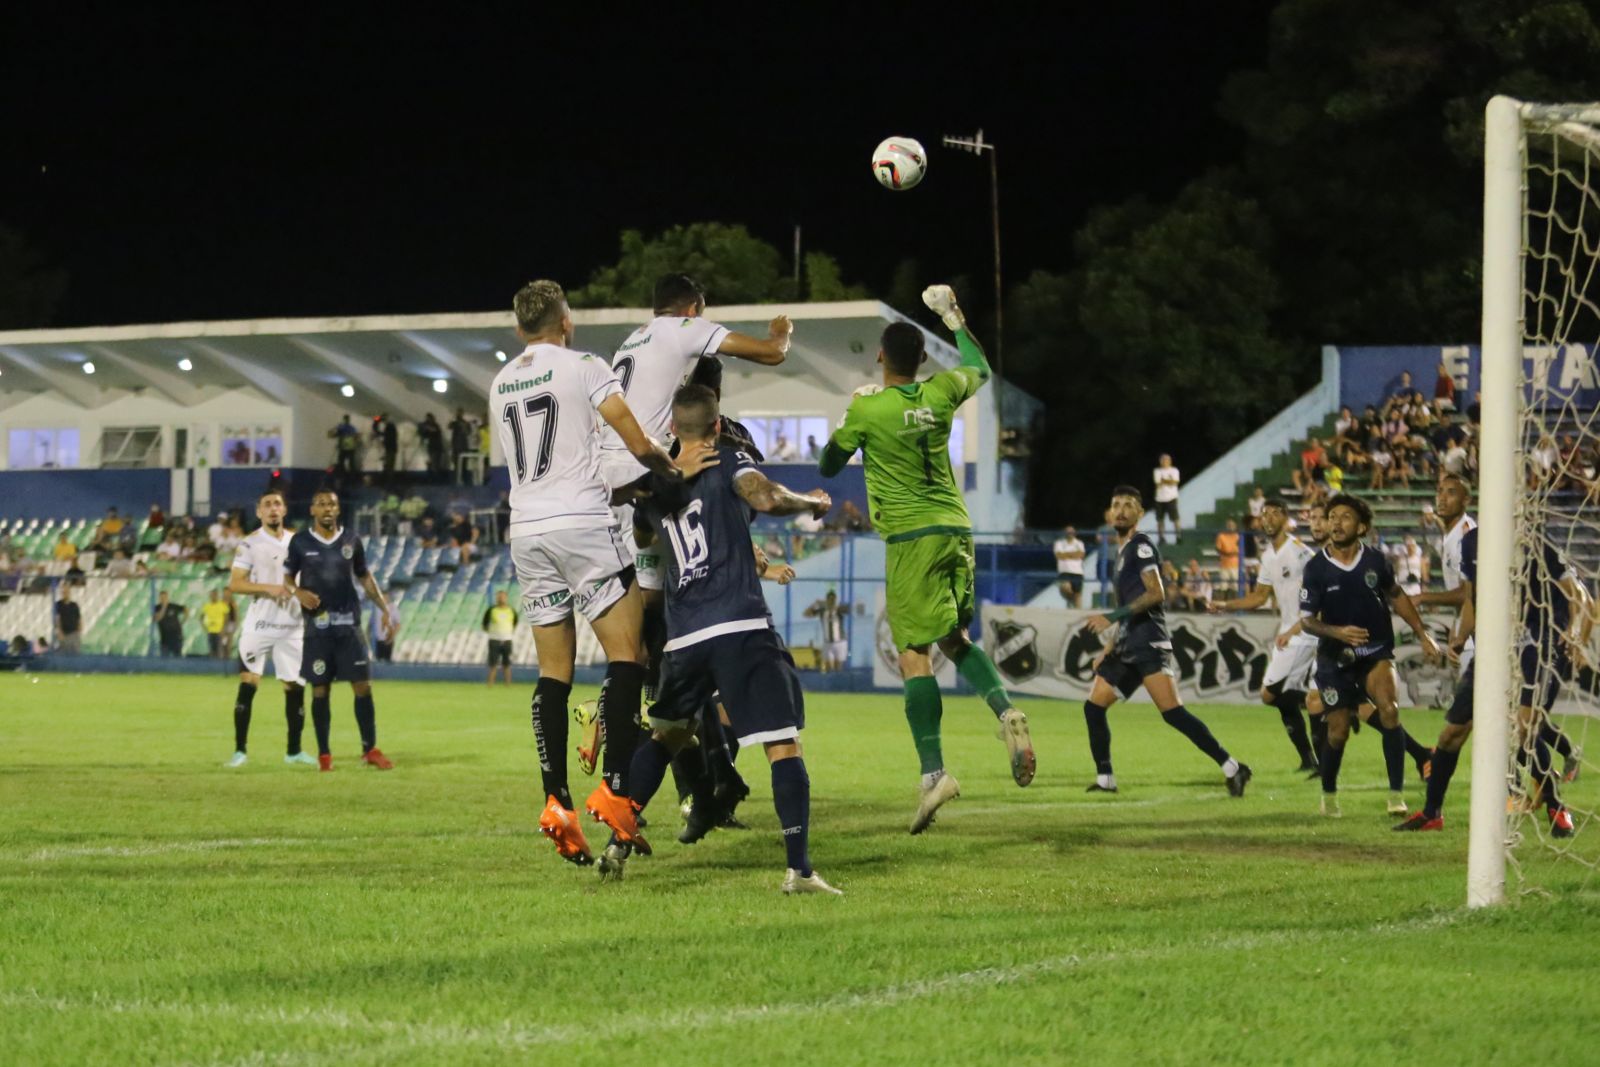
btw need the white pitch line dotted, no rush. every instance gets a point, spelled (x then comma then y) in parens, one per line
(224, 843)
(509, 1035)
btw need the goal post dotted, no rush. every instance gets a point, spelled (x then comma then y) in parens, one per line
(1501, 381)
(1540, 385)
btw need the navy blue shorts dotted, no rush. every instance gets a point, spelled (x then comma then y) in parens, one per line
(1460, 711)
(1127, 666)
(1344, 685)
(1541, 681)
(751, 673)
(338, 653)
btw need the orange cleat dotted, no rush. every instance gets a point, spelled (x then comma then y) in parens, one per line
(325, 762)
(374, 758)
(1561, 823)
(561, 825)
(620, 814)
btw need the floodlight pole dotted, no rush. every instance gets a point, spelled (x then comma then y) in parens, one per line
(978, 146)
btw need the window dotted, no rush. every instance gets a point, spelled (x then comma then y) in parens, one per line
(252, 446)
(130, 446)
(43, 448)
(788, 438)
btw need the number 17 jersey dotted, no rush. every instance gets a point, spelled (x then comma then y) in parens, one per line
(903, 432)
(545, 405)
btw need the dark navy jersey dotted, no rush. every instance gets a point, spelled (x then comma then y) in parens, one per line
(1353, 595)
(1469, 558)
(1546, 613)
(1133, 560)
(328, 569)
(702, 528)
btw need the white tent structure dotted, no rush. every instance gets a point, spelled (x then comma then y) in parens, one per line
(194, 396)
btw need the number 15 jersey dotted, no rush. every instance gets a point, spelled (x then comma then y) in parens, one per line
(545, 405)
(903, 432)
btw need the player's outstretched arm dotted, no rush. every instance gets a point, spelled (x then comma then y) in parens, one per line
(941, 300)
(770, 498)
(1256, 598)
(1443, 598)
(1406, 608)
(769, 352)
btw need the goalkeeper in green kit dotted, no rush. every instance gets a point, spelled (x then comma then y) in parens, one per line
(903, 430)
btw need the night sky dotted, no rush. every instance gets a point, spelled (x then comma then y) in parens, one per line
(204, 167)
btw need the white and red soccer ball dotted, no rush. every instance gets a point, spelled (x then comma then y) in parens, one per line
(899, 163)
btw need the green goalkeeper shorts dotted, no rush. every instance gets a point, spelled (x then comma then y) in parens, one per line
(929, 590)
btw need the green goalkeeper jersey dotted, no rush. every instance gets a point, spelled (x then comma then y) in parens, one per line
(903, 432)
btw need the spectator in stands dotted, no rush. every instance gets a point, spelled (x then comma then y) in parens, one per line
(168, 618)
(1542, 465)
(803, 541)
(427, 536)
(1416, 559)
(847, 519)
(20, 646)
(500, 623)
(1172, 585)
(502, 517)
(1444, 391)
(9, 572)
(68, 622)
(121, 566)
(431, 434)
(464, 535)
(75, 571)
(157, 518)
(346, 446)
(1227, 546)
(1475, 409)
(219, 529)
(1454, 460)
(813, 450)
(784, 451)
(461, 440)
(1401, 387)
(1256, 503)
(1070, 553)
(109, 534)
(171, 548)
(1381, 461)
(64, 548)
(1167, 480)
(1196, 588)
(214, 616)
(1308, 478)
(1346, 428)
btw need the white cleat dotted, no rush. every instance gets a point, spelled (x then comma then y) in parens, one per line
(1014, 732)
(812, 883)
(944, 788)
(612, 862)
(238, 760)
(941, 300)
(303, 758)
(1397, 804)
(1330, 806)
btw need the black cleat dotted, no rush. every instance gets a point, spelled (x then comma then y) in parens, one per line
(703, 818)
(1240, 779)
(1315, 775)
(1096, 787)
(1309, 765)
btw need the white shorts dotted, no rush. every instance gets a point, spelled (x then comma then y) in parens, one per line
(1293, 666)
(837, 651)
(567, 567)
(282, 643)
(646, 561)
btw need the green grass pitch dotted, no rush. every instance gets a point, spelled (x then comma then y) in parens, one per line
(157, 908)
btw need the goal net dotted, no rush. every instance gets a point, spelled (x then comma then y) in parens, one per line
(1533, 797)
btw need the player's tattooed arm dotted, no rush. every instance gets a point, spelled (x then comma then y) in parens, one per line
(781, 573)
(1350, 635)
(1153, 596)
(1442, 598)
(770, 498)
(769, 352)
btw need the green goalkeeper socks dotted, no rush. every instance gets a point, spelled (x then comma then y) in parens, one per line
(978, 669)
(923, 711)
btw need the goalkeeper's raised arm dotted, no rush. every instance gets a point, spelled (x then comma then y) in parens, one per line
(941, 300)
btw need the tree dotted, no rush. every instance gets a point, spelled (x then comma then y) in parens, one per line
(734, 266)
(29, 289)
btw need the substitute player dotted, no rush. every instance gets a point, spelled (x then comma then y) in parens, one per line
(719, 634)
(1294, 653)
(320, 571)
(1345, 597)
(549, 403)
(500, 623)
(903, 429)
(272, 628)
(1141, 654)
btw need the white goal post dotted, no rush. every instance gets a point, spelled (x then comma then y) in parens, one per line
(1540, 287)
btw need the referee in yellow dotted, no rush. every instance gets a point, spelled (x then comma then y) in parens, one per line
(500, 623)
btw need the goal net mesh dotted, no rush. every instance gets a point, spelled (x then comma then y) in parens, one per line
(1557, 518)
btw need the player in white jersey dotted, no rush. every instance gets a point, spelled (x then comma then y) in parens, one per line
(272, 628)
(548, 404)
(1450, 504)
(1294, 653)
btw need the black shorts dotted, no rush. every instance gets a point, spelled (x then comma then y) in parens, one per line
(1126, 668)
(1073, 582)
(499, 654)
(1167, 509)
(1460, 711)
(1541, 681)
(750, 672)
(1344, 685)
(337, 653)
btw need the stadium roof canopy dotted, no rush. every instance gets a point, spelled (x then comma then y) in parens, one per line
(393, 361)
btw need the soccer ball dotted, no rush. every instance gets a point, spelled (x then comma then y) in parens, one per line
(899, 163)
